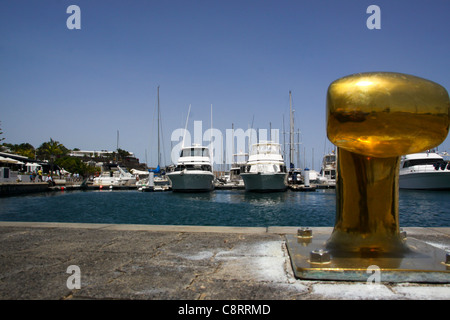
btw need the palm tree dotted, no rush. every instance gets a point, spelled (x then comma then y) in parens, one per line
(51, 150)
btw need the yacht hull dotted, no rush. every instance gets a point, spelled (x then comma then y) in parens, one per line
(264, 182)
(191, 181)
(437, 180)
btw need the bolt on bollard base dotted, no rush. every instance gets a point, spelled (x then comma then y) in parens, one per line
(421, 263)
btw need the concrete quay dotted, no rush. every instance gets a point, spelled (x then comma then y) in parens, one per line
(14, 189)
(176, 263)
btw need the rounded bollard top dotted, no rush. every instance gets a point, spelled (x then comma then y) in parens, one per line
(386, 114)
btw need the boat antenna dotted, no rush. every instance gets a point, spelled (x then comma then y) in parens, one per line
(185, 128)
(251, 133)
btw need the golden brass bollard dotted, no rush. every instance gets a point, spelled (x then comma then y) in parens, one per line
(373, 119)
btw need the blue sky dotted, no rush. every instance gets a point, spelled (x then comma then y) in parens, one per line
(81, 86)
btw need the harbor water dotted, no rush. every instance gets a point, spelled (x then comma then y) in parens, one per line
(218, 208)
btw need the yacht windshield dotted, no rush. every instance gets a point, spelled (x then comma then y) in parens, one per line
(204, 167)
(329, 159)
(195, 152)
(421, 162)
(266, 149)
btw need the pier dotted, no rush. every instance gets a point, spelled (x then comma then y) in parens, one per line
(178, 263)
(13, 188)
(21, 188)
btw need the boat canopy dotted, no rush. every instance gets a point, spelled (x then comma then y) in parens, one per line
(157, 170)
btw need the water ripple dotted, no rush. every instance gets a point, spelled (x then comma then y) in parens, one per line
(218, 208)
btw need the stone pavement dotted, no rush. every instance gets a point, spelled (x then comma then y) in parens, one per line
(176, 263)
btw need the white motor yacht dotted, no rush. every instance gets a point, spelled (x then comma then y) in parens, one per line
(193, 172)
(328, 170)
(424, 171)
(265, 170)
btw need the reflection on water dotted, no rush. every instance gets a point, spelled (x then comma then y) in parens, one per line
(424, 208)
(193, 196)
(269, 199)
(217, 208)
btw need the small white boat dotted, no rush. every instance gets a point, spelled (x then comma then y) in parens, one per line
(144, 180)
(151, 180)
(234, 180)
(121, 177)
(424, 171)
(193, 172)
(265, 170)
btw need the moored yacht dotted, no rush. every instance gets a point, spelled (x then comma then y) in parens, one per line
(424, 171)
(328, 171)
(265, 169)
(234, 179)
(193, 172)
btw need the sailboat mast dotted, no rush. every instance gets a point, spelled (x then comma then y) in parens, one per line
(117, 143)
(291, 132)
(284, 141)
(159, 154)
(185, 128)
(232, 144)
(298, 149)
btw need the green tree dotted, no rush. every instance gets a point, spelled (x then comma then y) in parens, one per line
(122, 153)
(118, 155)
(23, 149)
(75, 165)
(26, 149)
(51, 150)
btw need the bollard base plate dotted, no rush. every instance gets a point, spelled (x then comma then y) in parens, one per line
(422, 263)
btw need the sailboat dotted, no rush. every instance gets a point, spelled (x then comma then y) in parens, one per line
(156, 181)
(294, 174)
